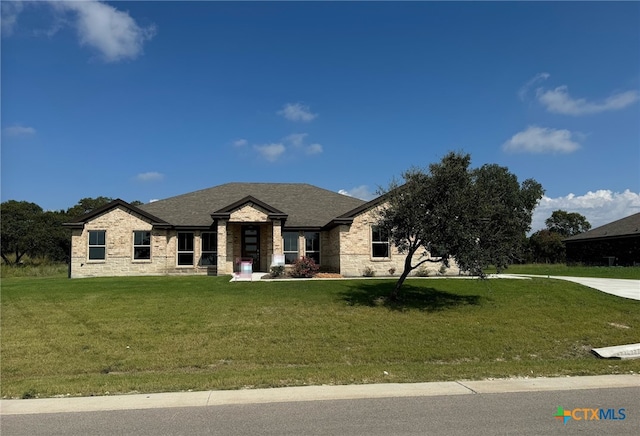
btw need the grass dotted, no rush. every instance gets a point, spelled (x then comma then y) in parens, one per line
(558, 269)
(149, 334)
(35, 269)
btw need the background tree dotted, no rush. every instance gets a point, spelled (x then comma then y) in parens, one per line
(86, 205)
(567, 223)
(547, 247)
(56, 239)
(21, 229)
(28, 230)
(477, 217)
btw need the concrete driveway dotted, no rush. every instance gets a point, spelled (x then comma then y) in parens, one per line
(625, 288)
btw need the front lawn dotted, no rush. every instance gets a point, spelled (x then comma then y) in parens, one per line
(151, 334)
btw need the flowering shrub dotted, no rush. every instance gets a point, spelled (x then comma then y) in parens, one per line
(305, 267)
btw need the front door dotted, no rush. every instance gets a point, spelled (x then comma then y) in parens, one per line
(251, 244)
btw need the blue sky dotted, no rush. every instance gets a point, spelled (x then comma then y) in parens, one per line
(147, 100)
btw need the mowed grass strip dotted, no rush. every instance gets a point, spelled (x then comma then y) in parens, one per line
(560, 269)
(151, 334)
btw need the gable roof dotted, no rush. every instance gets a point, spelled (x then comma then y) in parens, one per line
(79, 222)
(225, 212)
(625, 227)
(305, 206)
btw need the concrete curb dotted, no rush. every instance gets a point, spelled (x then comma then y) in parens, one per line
(311, 393)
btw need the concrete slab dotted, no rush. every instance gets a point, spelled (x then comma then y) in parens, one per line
(554, 383)
(310, 393)
(256, 276)
(107, 402)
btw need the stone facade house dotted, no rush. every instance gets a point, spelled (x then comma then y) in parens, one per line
(211, 230)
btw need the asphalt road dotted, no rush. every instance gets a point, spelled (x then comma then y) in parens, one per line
(521, 413)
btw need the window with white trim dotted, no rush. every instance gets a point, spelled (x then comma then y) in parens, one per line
(379, 242)
(185, 248)
(141, 245)
(209, 246)
(290, 247)
(312, 246)
(97, 245)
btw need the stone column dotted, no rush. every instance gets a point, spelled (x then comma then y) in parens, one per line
(222, 248)
(276, 243)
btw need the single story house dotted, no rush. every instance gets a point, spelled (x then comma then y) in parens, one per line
(209, 231)
(616, 243)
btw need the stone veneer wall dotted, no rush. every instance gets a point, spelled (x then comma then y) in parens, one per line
(119, 225)
(346, 249)
(355, 251)
(330, 249)
(251, 214)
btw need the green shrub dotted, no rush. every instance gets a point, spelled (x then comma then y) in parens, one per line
(277, 271)
(422, 272)
(368, 272)
(305, 267)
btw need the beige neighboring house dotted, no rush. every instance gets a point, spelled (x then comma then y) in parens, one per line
(210, 231)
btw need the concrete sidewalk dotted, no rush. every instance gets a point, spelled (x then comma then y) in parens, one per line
(625, 288)
(312, 393)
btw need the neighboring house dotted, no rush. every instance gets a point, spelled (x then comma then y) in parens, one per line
(209, 231)
(616, 243)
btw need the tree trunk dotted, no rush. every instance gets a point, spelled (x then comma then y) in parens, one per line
(398, 285)
(6, 259)
(405, 273)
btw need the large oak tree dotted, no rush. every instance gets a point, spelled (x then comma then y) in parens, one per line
(478, 217)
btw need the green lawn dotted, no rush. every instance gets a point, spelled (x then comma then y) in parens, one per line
(151, 334)
(559, 269)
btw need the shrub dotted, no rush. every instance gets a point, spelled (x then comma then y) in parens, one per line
(422, 272)
(368, 272)
(277, 271)
(305, 267)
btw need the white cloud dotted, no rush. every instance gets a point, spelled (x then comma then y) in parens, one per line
(18, 130)
(314, 149)
(362, 192)
(599, 207)
(113, 33)
(240, 143)
(522, 92)
(151, 176)
(559, 101)
(297, 112)
(296, 139)
(541, 140)
(270, 152)
(9, 13)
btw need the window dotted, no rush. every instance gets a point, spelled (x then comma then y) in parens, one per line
(312, 246)
(141, 245)
(97, 245)
(379, 242)
(209, 249)
(290, 247)
(185, 248)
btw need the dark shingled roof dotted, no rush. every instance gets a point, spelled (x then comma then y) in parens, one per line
(305, 205)
(625, 227)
